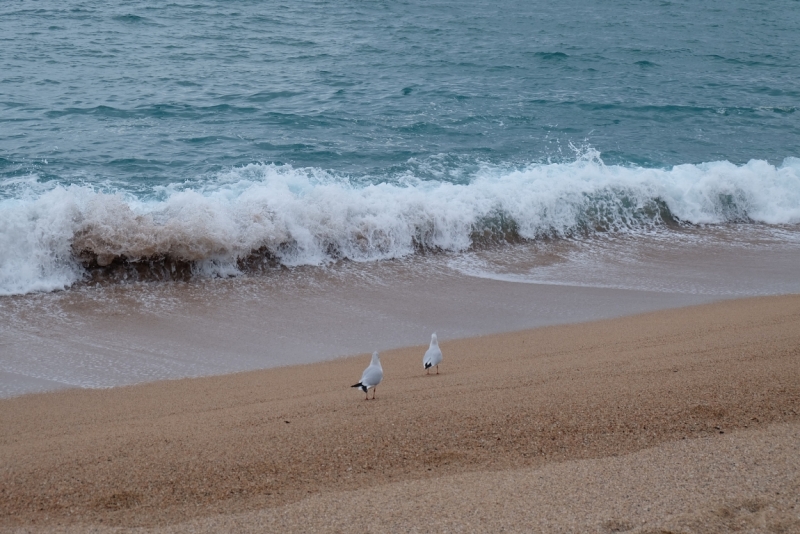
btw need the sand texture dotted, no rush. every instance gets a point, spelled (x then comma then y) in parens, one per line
(684, 420)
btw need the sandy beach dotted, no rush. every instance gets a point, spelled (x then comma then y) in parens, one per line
(212, 214)
(684, 420)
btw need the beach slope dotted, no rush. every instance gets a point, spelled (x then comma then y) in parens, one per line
(679, 420)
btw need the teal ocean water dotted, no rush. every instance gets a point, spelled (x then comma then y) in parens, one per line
(178, 139)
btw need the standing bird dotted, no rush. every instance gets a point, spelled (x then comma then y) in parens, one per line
(433, 356)
(371, 376)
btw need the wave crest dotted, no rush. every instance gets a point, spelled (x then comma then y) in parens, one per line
(269, 215)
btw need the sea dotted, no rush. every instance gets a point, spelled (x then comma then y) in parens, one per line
(203, 187)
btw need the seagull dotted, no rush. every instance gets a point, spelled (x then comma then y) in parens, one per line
(371, 376)
(433, 356)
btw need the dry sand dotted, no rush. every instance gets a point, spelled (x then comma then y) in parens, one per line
(677, 421)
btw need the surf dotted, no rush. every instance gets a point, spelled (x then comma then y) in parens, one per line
(55, 234)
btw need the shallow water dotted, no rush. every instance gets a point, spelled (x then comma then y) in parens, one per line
(725, 261)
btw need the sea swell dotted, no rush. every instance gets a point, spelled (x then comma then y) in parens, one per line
(53, 235)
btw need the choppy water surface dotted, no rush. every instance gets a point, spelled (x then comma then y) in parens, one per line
(169, 140)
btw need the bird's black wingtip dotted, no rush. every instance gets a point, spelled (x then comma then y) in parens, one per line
(356, 385)
(428, 366)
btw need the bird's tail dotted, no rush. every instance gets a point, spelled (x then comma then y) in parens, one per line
(360, 385)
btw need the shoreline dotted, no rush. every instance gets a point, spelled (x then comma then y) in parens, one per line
(201, 450)
(116, 336)
(106, 336)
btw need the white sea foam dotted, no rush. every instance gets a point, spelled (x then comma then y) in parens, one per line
(310, 217)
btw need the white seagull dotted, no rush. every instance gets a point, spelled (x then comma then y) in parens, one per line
(433, 356)
(371, 376)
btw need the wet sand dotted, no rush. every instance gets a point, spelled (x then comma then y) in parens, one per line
(128, 334)
(684, 420)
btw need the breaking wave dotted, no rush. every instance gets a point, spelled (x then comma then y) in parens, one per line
(54, 235)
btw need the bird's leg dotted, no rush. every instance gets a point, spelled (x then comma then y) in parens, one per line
(366, 395)
(374, 390)
(437, 369)
(428, 371)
